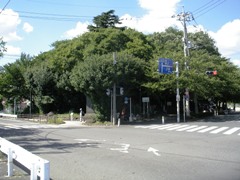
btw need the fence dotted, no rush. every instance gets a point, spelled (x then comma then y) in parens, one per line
(38, 167)
(8, 115)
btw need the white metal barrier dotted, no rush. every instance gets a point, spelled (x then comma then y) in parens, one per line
(37, 166)
(8, 115)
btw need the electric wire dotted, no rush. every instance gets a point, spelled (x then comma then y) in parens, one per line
(203, 6)
(208, 8)
(51, 17)
(5, 6)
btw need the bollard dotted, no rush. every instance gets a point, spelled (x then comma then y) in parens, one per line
(45, 170)
(33, 175)
(80, 115)
(119, 122)
(10, 163)
(71, 116)
(163, 120)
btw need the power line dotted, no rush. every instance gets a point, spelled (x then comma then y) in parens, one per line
(52, 17)
(202, 7)
(5, 6)
(207, 7)
(210, 8)
(77, 4)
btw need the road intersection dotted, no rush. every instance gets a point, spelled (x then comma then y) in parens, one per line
(192, 150)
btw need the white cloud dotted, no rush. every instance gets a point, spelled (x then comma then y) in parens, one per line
(11, 50)
(78, 30)
(27, 27)
(9, 20)
(158, 17)
(228, 40)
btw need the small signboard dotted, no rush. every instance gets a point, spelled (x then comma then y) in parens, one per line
(145, 99)
(165, 66)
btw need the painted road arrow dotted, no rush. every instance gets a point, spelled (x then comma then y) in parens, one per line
(154, 151)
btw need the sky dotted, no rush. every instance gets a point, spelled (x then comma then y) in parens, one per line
(31, 26)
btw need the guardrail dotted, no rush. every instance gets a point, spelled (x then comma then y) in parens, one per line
(8, 115)
(38, 167)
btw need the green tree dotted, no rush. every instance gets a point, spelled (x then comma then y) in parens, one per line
(105, 20)
(204, 56)
(2, 47)
(12, 82)
(97, 73)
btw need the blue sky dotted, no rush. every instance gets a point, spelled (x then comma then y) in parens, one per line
(31, 26)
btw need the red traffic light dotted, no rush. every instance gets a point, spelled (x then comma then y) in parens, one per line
(213, 73)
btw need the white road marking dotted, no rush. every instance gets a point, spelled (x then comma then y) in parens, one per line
(168, 126)
(123, 148)
(178, 127)
(208, 129)
(13, 127)
(186, 128)
(155, 151)
(219, 130)
(231, 131)
(196, 129)
(154, 126)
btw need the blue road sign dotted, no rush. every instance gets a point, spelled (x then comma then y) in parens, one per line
(165, 66)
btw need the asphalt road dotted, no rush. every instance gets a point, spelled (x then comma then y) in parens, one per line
(196, 150)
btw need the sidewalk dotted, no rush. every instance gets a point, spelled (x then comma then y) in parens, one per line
(72, 124)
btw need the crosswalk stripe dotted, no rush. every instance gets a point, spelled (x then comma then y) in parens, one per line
(196, 129)
(186, 128)
(219, 130)
(208, 129)
(231, 131)
(168, 126)
(154, 127)
(174, 128)
(13, 127)
(190, 128)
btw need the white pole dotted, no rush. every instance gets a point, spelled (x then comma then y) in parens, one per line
(130, 101)
(114, 92)
(45, 170)
(33, 175)
(184, 109)
(114, 104)
(177, 96)
(111, 106)
(10, 163)
(80, 115)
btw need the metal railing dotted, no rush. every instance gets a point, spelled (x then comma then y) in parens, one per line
(38, 167)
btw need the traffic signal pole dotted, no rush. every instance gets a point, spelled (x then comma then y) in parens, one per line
(177, 96)
(114, 91)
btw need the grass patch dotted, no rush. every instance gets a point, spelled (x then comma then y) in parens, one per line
(55, 120)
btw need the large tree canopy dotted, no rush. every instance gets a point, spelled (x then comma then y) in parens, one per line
(59, 78)
(97, 73)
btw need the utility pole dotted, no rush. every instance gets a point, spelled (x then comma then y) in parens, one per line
(185, 17)
(114, 90)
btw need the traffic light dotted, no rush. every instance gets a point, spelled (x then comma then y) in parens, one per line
(213, 73)
(121, 91)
